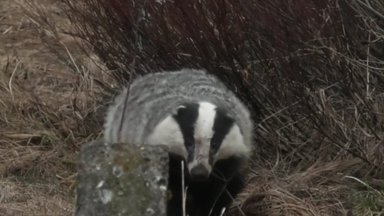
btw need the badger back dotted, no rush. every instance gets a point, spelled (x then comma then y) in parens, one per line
(151, 98)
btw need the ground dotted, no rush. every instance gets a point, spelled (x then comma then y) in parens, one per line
(37, 95)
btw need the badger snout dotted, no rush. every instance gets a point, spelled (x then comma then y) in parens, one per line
(199, 173)
(199, 169)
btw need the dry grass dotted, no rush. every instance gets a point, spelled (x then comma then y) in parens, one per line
(315, 88)
(20, 198)
(321, 189)
(47, 110)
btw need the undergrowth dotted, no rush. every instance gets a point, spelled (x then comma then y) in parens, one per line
(310, 72)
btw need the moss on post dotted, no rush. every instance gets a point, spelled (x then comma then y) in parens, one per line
(121, 179)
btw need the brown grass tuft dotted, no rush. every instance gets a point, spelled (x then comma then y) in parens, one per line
(318, 190)
(49, 106)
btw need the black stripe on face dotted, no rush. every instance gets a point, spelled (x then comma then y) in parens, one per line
(223, 123)
(186, 117)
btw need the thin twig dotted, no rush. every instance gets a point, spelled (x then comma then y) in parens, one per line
(183, 191)
(11, 78)
(365, 184)
(367, 63)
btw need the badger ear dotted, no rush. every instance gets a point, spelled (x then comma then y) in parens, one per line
(176, 110)
(181, 107)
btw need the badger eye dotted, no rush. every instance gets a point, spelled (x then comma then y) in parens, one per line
(214, 144)
(189, 144)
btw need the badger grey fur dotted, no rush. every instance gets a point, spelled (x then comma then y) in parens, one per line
(152, 113)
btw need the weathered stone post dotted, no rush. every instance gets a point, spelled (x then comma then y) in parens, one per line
(121, 179)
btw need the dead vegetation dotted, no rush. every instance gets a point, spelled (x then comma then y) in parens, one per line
(47, 110)
(311, 72)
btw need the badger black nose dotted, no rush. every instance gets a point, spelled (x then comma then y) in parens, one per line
(199, 173)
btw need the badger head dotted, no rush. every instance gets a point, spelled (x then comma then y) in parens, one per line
(202, 134)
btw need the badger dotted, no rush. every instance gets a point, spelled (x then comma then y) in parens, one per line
(200, 122)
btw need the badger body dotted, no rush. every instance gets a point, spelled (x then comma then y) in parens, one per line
(200, 122)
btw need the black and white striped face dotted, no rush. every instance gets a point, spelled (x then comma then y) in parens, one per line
(202, 134)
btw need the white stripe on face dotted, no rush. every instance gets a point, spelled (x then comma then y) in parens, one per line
(205, 121)
(203, 134)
